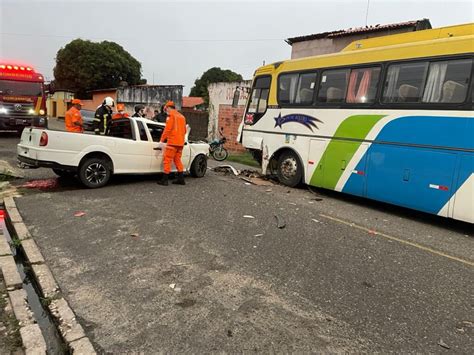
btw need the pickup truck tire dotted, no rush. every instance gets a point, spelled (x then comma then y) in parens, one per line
(64, 173)
(94, 172)
(199, 166)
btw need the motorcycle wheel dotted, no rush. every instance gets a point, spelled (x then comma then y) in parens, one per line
(220, 154)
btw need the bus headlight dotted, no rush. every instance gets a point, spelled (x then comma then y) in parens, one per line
(41, 112)
(31, 111)
(3, 110)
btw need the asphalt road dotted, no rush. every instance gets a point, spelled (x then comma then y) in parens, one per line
(343, 275)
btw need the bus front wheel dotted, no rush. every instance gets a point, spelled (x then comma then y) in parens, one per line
(289, 169)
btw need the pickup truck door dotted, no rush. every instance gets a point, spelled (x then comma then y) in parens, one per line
(155, 132)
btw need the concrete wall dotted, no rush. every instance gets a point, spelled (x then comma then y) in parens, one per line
(152, 97)
(332, 45)
(97, 99)
(221, 95)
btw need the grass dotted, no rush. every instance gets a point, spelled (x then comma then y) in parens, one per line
(10, 339)
(243, 158)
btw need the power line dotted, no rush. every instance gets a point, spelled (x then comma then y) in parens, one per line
(367, 13)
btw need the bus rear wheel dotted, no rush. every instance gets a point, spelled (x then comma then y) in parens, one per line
(289, 169)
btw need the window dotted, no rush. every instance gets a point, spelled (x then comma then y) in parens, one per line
(448, 81)
(155, 132)
(404, 82)
(287, 88)
(296, 88)
(333, 85)
(11, 87)
(121, 129)
(142, 131)
(259, 100)
(362, 87)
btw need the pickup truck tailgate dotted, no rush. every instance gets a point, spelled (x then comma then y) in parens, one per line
(30, 138)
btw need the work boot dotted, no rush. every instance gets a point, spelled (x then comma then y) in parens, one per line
(164, 180)
(179, 180)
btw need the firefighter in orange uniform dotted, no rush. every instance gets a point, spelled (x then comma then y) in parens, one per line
(120, 112)
(174, 134)
(73, 120)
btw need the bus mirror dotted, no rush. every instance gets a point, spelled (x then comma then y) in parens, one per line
(235, 100)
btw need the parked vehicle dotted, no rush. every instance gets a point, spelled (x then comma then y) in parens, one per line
(22, 97)
(216, 147)
(129, 148)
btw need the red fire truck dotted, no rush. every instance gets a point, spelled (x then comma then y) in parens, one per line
(22, 97)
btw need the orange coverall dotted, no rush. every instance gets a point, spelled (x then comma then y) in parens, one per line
(73, 115)
(174, 134)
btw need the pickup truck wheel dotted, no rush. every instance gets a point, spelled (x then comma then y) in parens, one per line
(64, 173)
(199, 166)
(94, 172)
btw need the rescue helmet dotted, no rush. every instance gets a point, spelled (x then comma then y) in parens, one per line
(120, 107)
(170, 104)
(108, 101)
(76, 102)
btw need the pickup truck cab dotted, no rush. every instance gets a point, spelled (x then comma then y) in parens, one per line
(130, 147)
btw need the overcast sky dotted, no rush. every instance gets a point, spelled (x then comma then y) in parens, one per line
(176, 41)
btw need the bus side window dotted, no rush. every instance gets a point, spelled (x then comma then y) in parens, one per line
(287, 88)
(333, 85)
(362, 86)
(448, 81)
(305, 92)
(404, 82)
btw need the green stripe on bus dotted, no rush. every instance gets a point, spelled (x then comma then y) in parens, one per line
(340, 151)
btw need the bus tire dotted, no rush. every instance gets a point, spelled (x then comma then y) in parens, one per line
(289, 169)
(94, 172)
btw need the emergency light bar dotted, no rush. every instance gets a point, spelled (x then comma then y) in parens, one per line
(15, 67)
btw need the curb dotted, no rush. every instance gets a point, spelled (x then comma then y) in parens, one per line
(71, 331)
(30, 332)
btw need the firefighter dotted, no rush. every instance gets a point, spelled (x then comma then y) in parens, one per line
(103, 116)
(174, 135)
(120, 112)
(73, 120)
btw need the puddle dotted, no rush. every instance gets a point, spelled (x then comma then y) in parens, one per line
(54, 342)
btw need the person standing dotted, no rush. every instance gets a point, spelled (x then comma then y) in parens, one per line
(174, 135)
(161, 116)
(139, 111)
(120, 112)
(73, 119)
(103, 116)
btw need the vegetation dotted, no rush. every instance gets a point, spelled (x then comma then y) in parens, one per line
(82, 66)
(213, 75)
(243, 158)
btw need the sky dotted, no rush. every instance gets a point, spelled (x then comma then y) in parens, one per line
(177, 41)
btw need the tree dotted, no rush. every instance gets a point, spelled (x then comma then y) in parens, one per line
(213, 75)
(82, 66)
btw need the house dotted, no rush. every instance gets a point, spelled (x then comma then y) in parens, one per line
(193, 103)
(335, 41)
(57, 103)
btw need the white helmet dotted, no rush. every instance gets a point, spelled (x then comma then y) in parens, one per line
(108, 101)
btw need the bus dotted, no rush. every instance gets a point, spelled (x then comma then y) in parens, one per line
(387, 118)
(22, 97)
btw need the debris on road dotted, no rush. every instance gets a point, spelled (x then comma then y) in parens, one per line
(315, 220)
(280, 221)
(372, 232)
(258, 235)
(226, 168)
(134, 235)
(443, 344)
(79, 214)
(172, 286)
(248, 216)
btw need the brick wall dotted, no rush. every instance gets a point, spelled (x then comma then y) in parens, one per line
(230, 118)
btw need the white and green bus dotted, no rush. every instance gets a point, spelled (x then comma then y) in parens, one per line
(387, 118)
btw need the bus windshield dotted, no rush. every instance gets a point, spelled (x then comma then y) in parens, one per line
(22, 88)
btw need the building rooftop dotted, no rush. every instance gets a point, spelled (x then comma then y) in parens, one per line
(416, 25)
(192, 101)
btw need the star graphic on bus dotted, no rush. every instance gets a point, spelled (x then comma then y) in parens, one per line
(305, 120)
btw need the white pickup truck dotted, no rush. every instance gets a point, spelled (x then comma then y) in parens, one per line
(130, 147)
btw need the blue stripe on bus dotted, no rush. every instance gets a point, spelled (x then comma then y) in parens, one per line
(422, 179)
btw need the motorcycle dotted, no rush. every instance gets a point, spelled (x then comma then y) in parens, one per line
(216, 148)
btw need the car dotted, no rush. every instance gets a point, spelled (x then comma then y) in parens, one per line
(131, 146)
